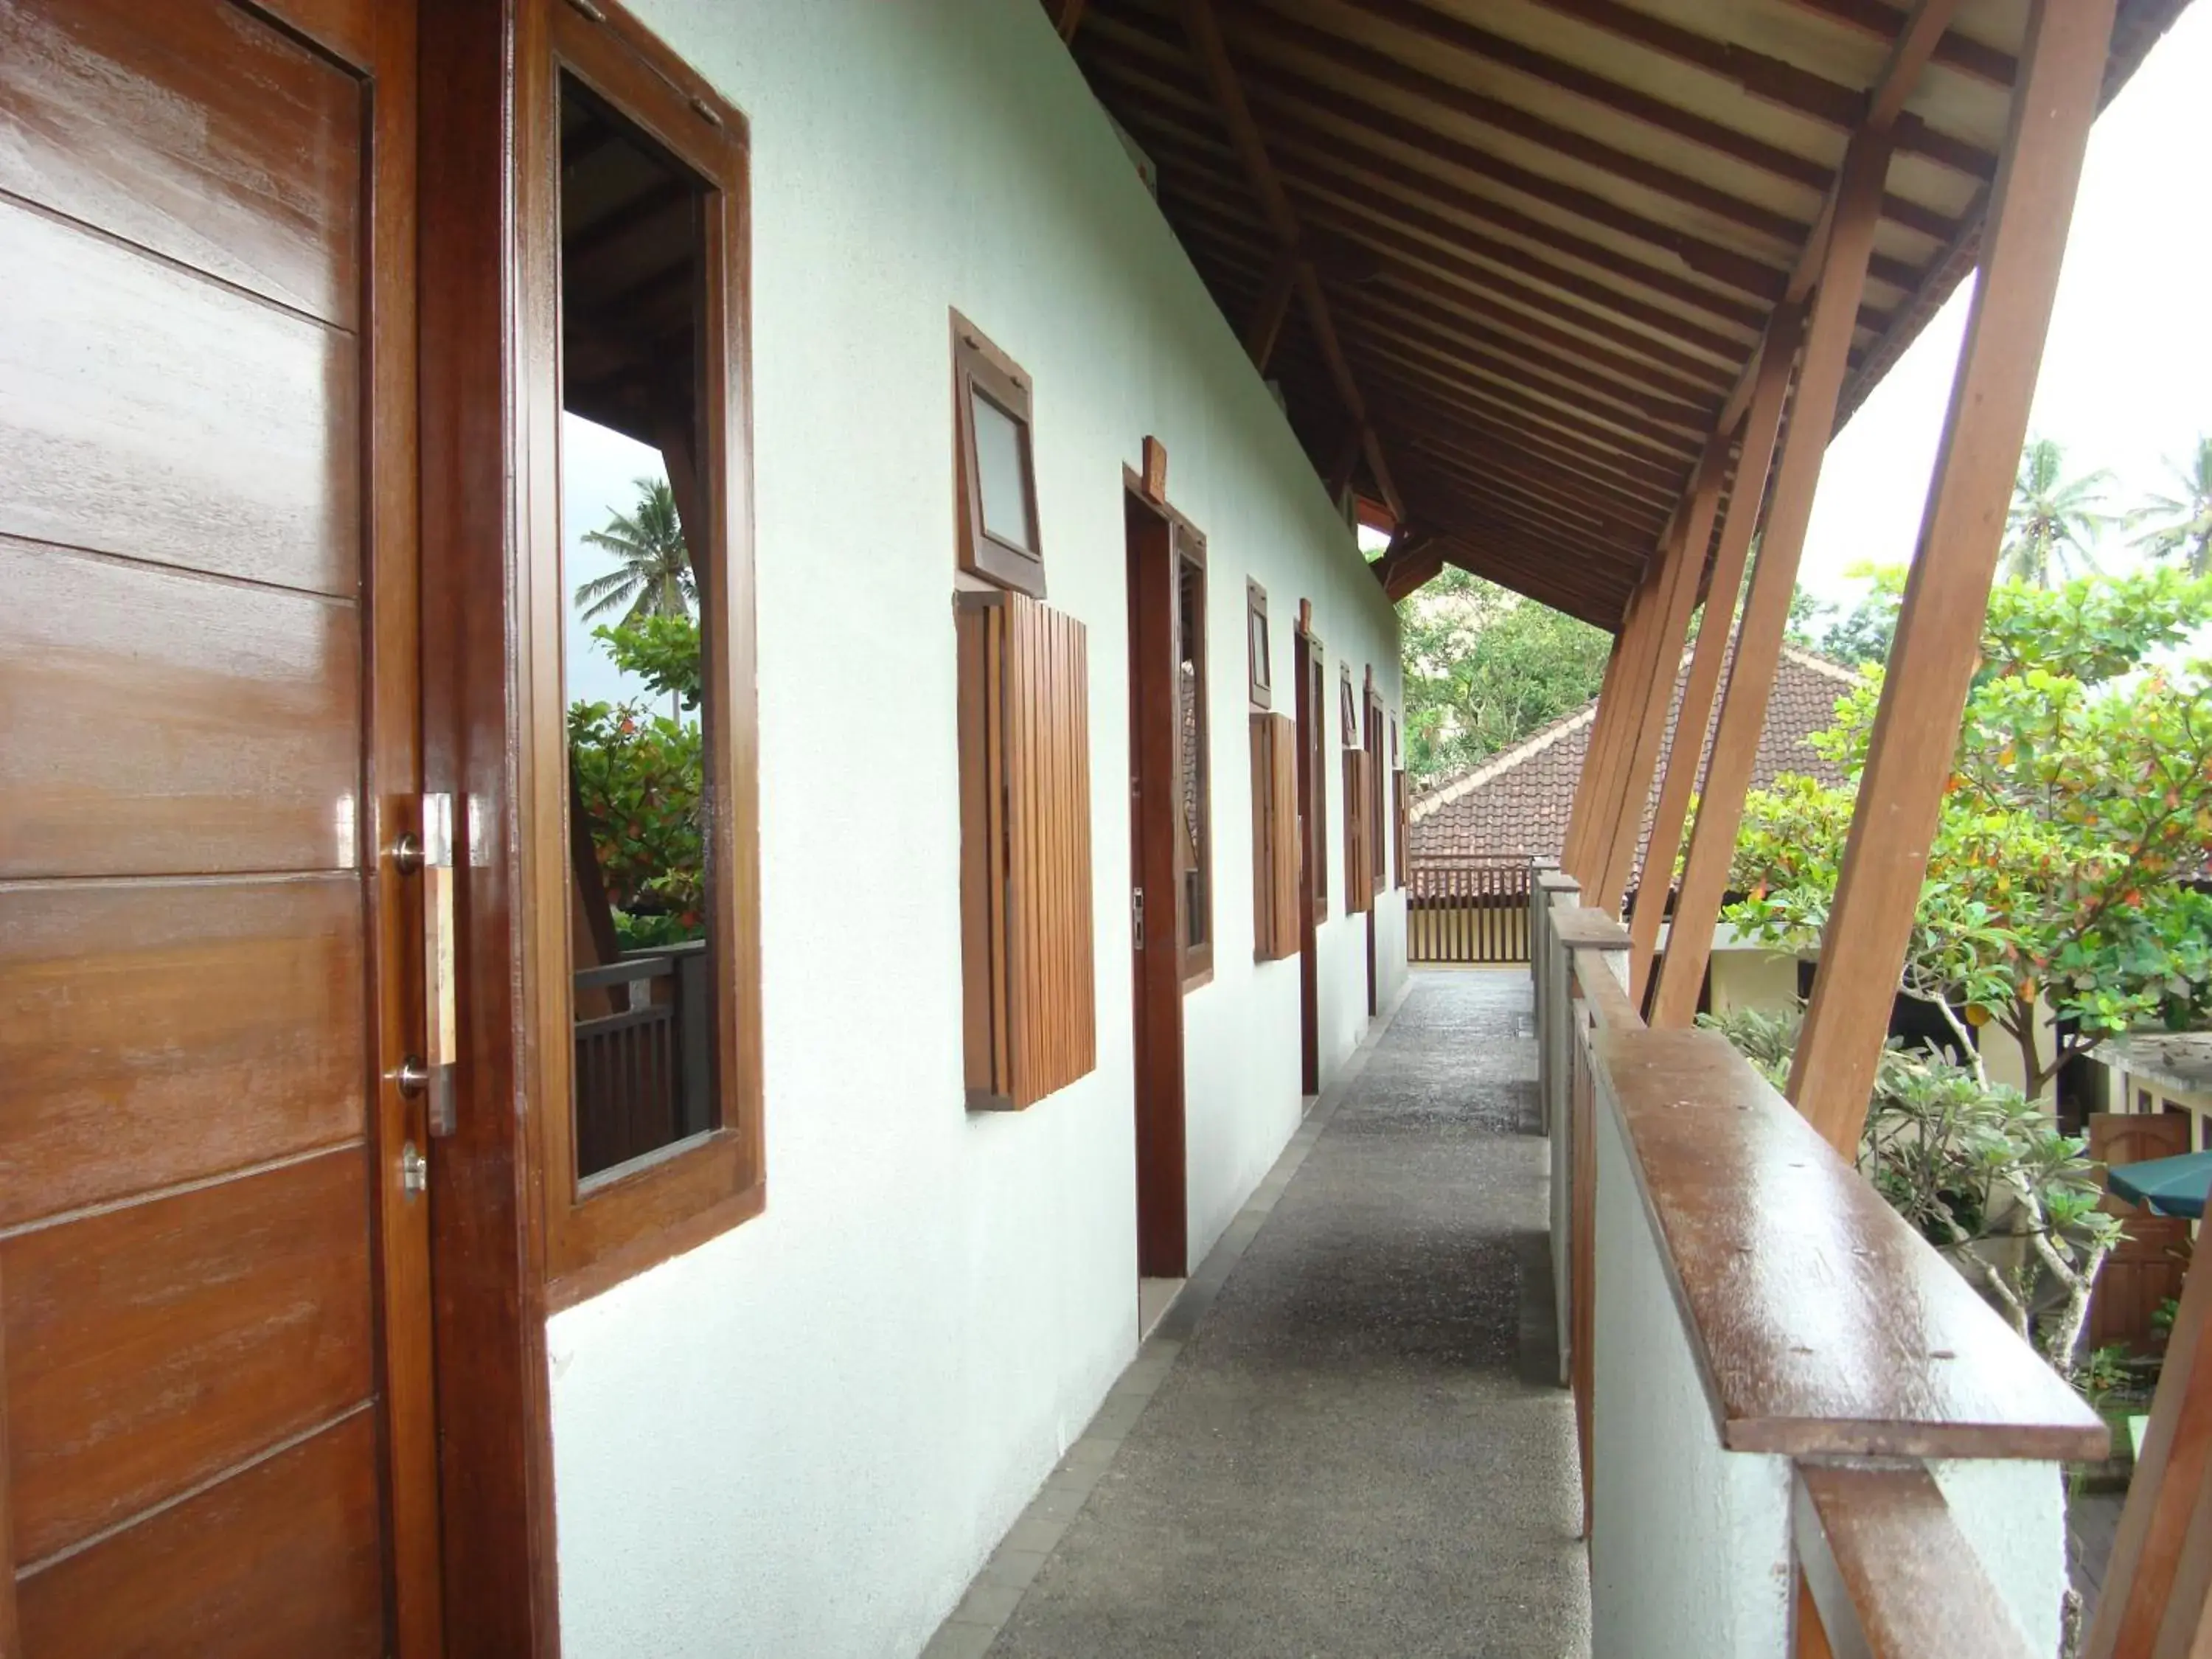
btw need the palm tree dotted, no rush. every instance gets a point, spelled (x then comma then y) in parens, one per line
(2054, 519)
(653, 577)
(2181, 527)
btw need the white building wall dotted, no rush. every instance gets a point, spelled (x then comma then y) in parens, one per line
(803, 1438)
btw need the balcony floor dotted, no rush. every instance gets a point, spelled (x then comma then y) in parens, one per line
(1349, 1448)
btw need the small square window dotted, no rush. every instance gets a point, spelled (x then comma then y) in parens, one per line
(996, 486)
(1258, 676)
(1348, 708)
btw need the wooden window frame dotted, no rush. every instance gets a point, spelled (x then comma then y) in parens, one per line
(1187, 544)
(595, 1233)
(979, 366)
(1259, 650)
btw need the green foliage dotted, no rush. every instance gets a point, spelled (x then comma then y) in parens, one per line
(2105, 1373)
(1485, 668)
(662, 651)
(638, 779)
(653, 574)
(2081, 797)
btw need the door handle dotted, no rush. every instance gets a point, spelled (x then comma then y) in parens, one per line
(430, 856)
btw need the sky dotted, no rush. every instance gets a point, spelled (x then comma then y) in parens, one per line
(599, 471)
(2126, 382)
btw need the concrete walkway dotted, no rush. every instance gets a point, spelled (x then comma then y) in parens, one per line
(1340, 1441)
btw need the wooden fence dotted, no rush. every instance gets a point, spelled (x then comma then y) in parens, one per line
(1468, 910)
(642, 1072)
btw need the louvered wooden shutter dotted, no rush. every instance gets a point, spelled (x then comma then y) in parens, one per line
(1401, 793)
(1025, 849)
(1274, 837)
(1358, 833)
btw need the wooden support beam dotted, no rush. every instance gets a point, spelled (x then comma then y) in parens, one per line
(1692, 535)
(1947, 595)
(1205, 31)
(1267, 324)
(2155, 1599)
(1766, 610)
(1589, 823)
(1578, 808)
(1776, 356)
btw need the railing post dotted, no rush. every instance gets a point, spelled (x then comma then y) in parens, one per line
(695, 1020)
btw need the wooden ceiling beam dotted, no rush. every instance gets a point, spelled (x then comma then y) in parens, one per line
(1537, 477)
(1374, 168)
(1067, 17)
(1455, 501)
(1668, 454)
(1302, 101)
(1411, 313)
(1535, 574)
(1507, 449)
(1618, 98)
(1470, 488)
(1626, 532)
(1414, 391)
(1146, 110)
(1802, 91)
(1884, 22)
(1266, 325)
(1205, 32)
(1340, 52)
(1595, 373)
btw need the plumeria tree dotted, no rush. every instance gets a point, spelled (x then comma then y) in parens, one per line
(2078, 812)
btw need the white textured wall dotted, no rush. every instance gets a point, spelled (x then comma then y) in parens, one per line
(801, 1439)
(1690, 1550)
(2013, 1516)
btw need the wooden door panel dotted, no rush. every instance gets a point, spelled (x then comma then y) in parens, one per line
(154, 1347)
(280, 1562)
(147, 411)
(127, 1009)
(161, 723)
(193, 131)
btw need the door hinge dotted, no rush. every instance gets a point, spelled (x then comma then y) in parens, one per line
(1137, 918)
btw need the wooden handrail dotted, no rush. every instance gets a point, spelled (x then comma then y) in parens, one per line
(1889, 1574)
(1821, 1324)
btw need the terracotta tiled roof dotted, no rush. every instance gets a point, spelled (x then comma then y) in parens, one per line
(1515, 803)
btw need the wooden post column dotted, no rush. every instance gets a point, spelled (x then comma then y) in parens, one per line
(1766, 610)
(1648, 726)
(1915, 728)
(1616, 714)
(1586, 788)
(1770, 389)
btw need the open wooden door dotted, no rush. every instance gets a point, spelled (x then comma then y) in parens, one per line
(1155, 788)
(1313, 843)
(213, 1246)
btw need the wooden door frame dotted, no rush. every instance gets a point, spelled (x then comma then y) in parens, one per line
(1309, 662)
(1156, 962)
(493, 1405)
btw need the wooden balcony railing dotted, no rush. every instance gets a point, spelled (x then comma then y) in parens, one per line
(1803, 1433)
(1468, 910)
(643, 1071)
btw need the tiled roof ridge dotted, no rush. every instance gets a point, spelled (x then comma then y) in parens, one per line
(1444, 794)
(1828, 665)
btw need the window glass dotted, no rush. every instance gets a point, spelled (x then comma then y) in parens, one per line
(1001, 473)
(643, 945)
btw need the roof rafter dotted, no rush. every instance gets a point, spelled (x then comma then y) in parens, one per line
(1206, 39)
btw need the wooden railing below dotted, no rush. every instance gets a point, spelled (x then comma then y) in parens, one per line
(1802, 1431)
(643, 1071)
(1467, 911)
